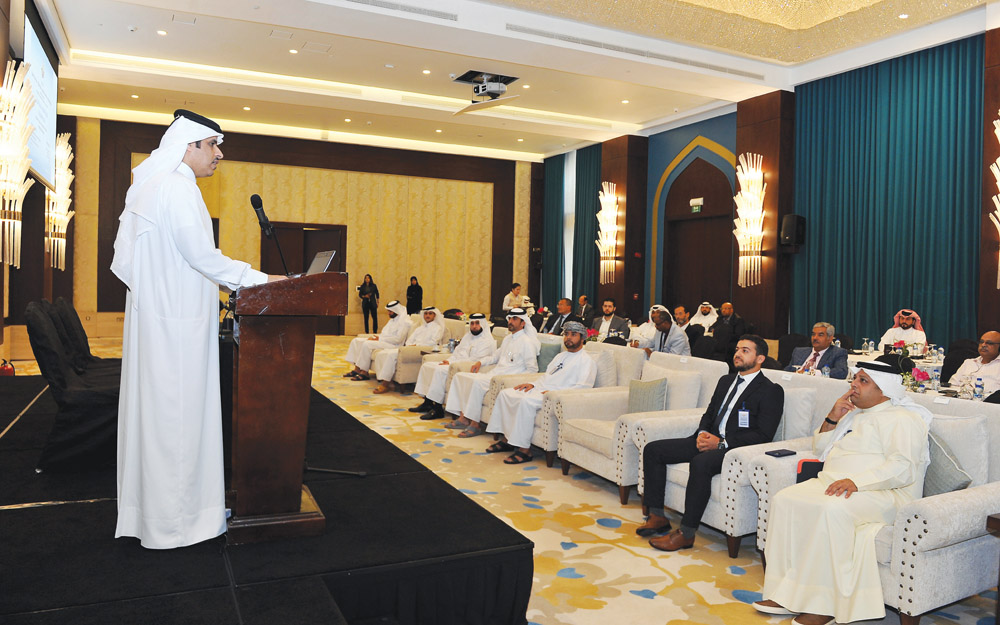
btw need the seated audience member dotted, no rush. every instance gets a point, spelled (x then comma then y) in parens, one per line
(906, 327)
(643, 335)
(585, 311)
(564, 314)
(518, 353)
(986, 366)
(610, 324)
(705, 317)
(514, 299)
(823, 353)
(683, 320)
(359, 352)
(515, 408)
(477, 344)
(668, 338)
(820, 550)
(745, 410)
(428, 335)
(729, 326)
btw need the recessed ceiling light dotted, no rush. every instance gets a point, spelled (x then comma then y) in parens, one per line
(520, 140)
(293, 51)
(246, 108)
(624, 101)
(526, 86)
(347, 119)
(390, 66)
(903, 16)
(438, 130)
(135, 97)
(161, 33)
(427, 71)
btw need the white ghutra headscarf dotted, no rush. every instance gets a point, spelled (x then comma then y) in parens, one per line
(529, 329)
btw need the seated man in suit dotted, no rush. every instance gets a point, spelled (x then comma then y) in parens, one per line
(823, 353)
(668, 338)
(727, 330)
(694, 331)
(745, 410)
(610, 324)
(585, 311)
(564, 314)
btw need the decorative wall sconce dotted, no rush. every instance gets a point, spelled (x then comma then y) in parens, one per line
(607, 231)
(995, 215)
(57, 203)
(749, 220)
(15, 103)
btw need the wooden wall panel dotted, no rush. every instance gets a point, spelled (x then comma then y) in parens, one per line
(120, 139)
(765, 125)
(536, 233)
(624, 162)
(988, 317)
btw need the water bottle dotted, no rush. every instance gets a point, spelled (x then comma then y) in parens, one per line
(826, 371)
(936, 380)
(977, 392)
(940, 354)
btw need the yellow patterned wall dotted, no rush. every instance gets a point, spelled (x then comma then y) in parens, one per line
(522, 223)
(397, 226)
(86, 165)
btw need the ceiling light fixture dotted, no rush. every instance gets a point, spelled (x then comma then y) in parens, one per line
(246, 108)
(293, 51)
(390, 66)
(135, 97)
(347, 119)
(624, 101)
(427, 71)
(438, 130)
(903, 16)
(520, 140)
(161, 33)
(526, 86)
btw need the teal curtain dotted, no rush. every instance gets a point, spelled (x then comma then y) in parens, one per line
(888, 173)
(552, 231)
(586, 258)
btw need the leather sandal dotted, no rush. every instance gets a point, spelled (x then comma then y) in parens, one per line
(518, 457)
(500, 446)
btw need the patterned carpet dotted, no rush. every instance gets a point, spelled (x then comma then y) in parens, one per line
(590, 567)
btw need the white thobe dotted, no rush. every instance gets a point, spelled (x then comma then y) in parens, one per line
(974, 368)
(675, 342)
(427, 335)
(433, 376)
(821, 549)
(908, 336)
(517, 354)
(514, 410)
(170, 462)
(359, 352)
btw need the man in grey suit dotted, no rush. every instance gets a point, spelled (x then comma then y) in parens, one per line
(822, 354)
(585, 311)
(610, 325)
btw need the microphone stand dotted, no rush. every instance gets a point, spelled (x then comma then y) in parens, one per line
(269, 233)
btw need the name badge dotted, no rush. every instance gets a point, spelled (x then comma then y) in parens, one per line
(786, 376)
(684, 359)
(942, 400)
(744, 417)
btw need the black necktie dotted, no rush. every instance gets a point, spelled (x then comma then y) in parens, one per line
(557, 325)
(663, 339)
(722, 408)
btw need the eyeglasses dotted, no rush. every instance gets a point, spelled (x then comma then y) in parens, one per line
(993, 343)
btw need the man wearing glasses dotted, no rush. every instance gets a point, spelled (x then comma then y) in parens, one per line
(986, 366)
(907, 328)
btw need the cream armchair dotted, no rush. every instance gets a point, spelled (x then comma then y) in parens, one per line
(937, 551)
(597, 434)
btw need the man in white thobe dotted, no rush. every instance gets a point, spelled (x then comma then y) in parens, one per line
(986, 366)
(820, 546)
(428, 335)
(906, 328)
(706, 316)
(359, 352)
(668, 338)
(170, 458)
(518, 353)
(515, 408)
(477, 344)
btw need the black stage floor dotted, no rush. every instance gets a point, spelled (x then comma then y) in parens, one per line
(390, 554)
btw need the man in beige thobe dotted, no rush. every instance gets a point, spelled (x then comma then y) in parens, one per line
(820, 549)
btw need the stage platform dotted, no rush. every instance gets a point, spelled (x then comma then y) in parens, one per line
(401, 545)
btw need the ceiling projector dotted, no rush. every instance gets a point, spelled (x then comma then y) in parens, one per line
(491, 89)
(484, 85)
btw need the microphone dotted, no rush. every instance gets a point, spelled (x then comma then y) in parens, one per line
(258, 207)
(265, 225)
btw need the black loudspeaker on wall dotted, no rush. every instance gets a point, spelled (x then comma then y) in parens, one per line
(793, 230)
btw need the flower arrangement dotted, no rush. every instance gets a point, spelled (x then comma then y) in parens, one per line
(592, 334)
(901, 345)
(913, 379)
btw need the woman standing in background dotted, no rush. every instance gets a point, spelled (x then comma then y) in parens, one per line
(414, 296)
(369, 301)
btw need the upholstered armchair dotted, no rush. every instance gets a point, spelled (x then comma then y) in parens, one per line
(937, 551)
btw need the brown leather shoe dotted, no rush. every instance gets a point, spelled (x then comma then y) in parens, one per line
(671, 542)
(654, 524)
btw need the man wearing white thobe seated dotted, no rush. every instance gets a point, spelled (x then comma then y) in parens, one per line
(515, 409)
(427, 335)
(518, 353)
(820, 546)
(359, 352)
(907, 328)
(477, 344)
(706, 316)
(170, 458)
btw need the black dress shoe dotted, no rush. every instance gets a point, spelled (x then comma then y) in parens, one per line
(424, 407)
(436, 413)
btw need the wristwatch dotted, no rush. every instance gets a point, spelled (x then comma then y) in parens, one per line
(722, 444)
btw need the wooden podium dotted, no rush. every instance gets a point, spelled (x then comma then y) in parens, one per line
(275, 334)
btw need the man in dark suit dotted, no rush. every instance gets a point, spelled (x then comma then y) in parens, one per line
(564, 313)
(745, 410)
(585, 311)
(726, 331)
(823, 353)
(694, 331)
(610, 324)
